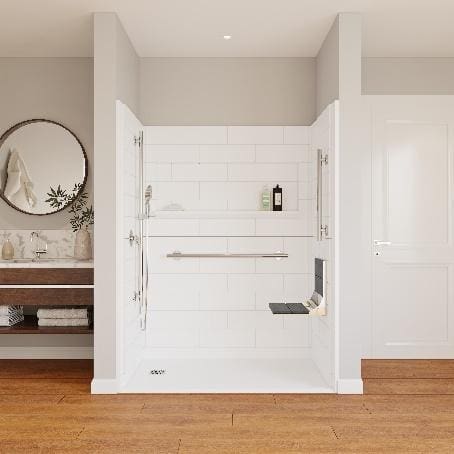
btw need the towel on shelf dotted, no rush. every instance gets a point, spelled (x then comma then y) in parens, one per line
(63, 322)
(65, 313)
(19, 186)
(15, 315)
(6, 310)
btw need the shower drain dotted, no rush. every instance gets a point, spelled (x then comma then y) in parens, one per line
(157, 371)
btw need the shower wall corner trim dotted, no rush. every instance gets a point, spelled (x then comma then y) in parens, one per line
(350, 386)
(104, 386)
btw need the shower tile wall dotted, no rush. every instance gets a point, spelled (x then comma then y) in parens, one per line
(323, 137)
(217, 175)
(133, 339)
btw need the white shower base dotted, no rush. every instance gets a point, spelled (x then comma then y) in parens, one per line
(245, 375)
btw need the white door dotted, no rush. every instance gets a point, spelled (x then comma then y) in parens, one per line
(412, 229)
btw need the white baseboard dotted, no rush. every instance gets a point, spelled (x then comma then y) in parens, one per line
(104, 386)
(46, 352)
(350, 386)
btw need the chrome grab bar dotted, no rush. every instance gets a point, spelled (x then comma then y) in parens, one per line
(180, 255)
(143, 252)
(321, 229)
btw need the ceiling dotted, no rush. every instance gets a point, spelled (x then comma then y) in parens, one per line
(195, 28)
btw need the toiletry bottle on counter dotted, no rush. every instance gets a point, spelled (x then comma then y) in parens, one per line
(7, 250)
(266, 199)
(277, 198)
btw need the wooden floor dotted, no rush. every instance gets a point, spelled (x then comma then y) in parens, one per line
(46, 407)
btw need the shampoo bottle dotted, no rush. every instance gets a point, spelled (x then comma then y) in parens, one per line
(277, 198)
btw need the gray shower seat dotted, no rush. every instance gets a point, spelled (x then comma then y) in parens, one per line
(288, 308)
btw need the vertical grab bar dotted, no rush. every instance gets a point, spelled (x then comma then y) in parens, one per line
(319, 194)
(143, 253)
(321, 229)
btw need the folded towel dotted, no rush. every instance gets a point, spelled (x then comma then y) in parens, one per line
(12, 318)
(63, 322)
(64, 313)
(6, 310)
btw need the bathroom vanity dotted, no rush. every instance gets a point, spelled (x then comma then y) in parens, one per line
(45, 283)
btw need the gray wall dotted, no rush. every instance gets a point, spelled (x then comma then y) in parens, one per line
(353, 218)
(227, 91)
(408, 76)
(327, 69)
(116, 75)
(59, 89)
(127, 70)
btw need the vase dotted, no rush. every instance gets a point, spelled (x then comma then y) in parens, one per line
(7, 250)
(82, 245)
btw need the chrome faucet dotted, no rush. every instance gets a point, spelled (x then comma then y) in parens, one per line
(40, 248)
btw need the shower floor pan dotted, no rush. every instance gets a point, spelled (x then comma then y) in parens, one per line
(227, 376)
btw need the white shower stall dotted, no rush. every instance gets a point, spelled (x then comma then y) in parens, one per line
(194, 272)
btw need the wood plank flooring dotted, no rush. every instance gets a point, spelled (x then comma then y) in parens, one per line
(408, 376)
(45, 407)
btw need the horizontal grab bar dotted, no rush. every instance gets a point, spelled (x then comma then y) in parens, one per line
(274, 255)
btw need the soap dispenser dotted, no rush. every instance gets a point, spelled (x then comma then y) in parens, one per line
(7, 250)
(277, 198)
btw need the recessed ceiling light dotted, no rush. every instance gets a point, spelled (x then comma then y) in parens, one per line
(227, 37)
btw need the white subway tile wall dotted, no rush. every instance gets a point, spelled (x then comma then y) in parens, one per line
(227, 168)
(322, 338)
(133, 338)
(218, 302)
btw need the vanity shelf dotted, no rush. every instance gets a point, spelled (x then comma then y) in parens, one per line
(46, 284)
(30, 326)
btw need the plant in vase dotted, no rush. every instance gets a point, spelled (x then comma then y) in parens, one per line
(82, 216)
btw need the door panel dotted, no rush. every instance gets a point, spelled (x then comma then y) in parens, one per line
(413, 256)
(417, 174)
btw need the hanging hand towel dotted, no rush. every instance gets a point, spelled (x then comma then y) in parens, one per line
(19, 187)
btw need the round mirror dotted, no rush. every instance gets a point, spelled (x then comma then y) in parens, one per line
(41, 163)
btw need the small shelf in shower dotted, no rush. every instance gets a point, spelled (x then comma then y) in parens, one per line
(227, 214)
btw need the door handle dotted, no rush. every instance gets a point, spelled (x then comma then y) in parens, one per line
(382, 243)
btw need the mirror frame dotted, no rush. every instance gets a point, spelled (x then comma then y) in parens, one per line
(17, 126)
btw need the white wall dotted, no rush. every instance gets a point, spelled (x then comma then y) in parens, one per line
(130, 336)
(408, 76)
(227, 91)
(59, 89)
(353, 254)
(324, 137)
(217, 174)
(327, 69)
(115, 68)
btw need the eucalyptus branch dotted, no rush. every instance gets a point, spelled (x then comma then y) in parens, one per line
(77, 200)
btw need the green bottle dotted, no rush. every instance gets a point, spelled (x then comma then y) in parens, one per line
(266, 199)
